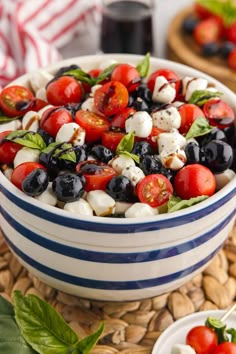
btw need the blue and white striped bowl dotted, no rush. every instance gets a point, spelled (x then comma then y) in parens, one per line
(116, 259)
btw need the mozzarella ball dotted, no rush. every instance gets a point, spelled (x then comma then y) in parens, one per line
(79, 207)
(140, 123)
(72, 133)
(26, 154)
(48, 196)
(30, 121)
(167, 119)
(133, 173)
(191, 84)
(120, 162)
(102, 203)
(140, 210)
(175, 160)
(170, 142)
(164, 91)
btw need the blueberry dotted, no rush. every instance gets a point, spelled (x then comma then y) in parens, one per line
(48, 139)
(36, 182)
(68, 187)
(150, 164)
(225, 49)
(210, 49)
(143, 92)
(140, 105)
(142, 148)
(218, 156)
(73, 108)
(120, 188)
(81, 153)
(102, 153)
(193, 153)
(189, 24)
(215, 134)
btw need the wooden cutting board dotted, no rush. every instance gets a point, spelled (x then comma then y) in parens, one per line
(182, 48)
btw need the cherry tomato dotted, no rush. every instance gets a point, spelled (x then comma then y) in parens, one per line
(208, 31)
(225, 348)
(231, 33)
(38, 104)
(128, 75)
(189, 112)
(170, 76)
(219, 113)
(201, 11)
(16, 100)
(96, 174)
(8, 149)
(154, 190)
(53, 118)
(193, 181)
(111, 139)
(119, 119)
(93, 73)
(111, 98)
(93, 123)
(22, 171)
(63, 90)
(202, 339)
(232, 59)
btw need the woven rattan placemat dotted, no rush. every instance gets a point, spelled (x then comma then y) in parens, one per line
(132, 327)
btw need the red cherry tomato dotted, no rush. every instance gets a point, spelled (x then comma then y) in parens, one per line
(208, 31)
(189, 112)
(111, 139)
(119, 119)
(219, 113)
(8, 149)
(170, 76)
(202, 339)
(96, 174)
(193, 181)
(231, 33)
(53, 118)
(22, 171)
(232, 59)
(38, 104)
(93, 123)
(63, 90)
(16, 100)
(201, 11)
(154, 190)
(128, 75)
(93, 73)
(225, 348)
(111, 98)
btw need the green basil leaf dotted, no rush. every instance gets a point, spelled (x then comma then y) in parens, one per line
(144, 65)
(27, 138)
(176, 203)
(219, 327)
(11, 340)
(136, 158)
(126, 143)
(199, 127)
(64, 151)
(200, 97)
(42, 327)
(225, 9)
(5, 119)
(105, 73)
(82, 76)
(232, 332)
(85, 345)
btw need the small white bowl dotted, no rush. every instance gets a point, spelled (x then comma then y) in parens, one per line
(117, 259)
(176, 333)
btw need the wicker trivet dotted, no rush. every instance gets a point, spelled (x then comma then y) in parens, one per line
(132, 327)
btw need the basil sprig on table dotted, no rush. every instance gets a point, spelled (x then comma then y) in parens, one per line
(200, 97)
(126, 145)
(225, 9)
(33, 326)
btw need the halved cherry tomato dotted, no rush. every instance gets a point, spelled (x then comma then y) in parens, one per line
(111, 98)
(225, 348)
(202, 339)
(128, 75)
(119, 119)
(154, 190)
(170, 76)
(22, 171)
(193, 181)
(111, 139)
(232, 59)
(219, 113)
(208, 31)
(53, 118)
(16, 100)
(93, 123)
(189, 112)
(96, 174)
(63, 90)
(8, 149)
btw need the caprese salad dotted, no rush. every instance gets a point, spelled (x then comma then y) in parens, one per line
(117, 140)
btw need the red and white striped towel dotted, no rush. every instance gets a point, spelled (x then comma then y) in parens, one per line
(33, 31)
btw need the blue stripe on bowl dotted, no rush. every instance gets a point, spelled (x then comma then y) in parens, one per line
(106, 227)
(109, 284)
(110, 257)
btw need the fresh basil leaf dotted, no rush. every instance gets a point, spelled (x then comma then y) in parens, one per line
(224, 9)
(219, 327)
(232, 332)
(105, 73)
(82, 76)
(42, 327)
(11, 340)
(64, 151)
(200, 97)
(176, 203)
(136, 158)
(5, 119)
(144, 65)
(27, 138)
(126, 143)
(85, 345)
(199, 127)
